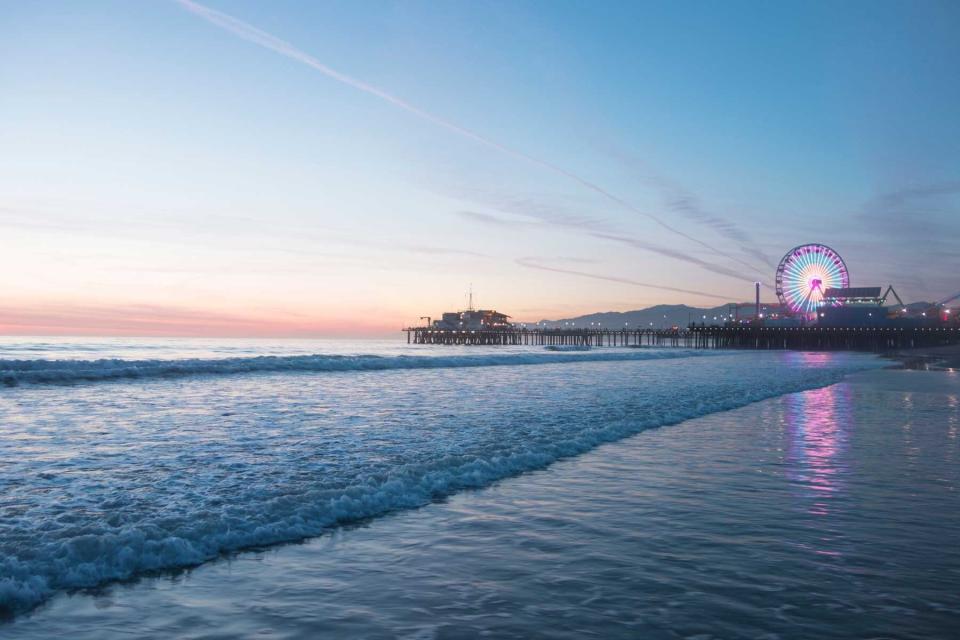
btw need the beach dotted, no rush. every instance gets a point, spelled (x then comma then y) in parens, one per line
(820, 511)
(930, 358)
(442, 320)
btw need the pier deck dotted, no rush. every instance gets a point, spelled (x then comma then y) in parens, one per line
(799, 338)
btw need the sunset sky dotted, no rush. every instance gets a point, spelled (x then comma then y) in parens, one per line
(342, 168)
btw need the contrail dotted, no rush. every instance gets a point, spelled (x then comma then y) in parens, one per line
(252, 34)
(531, 263)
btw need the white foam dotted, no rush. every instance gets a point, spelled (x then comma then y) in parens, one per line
(16, 372)
(84, 523)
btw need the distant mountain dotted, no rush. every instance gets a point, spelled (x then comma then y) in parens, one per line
(669, 315)
(659, 316)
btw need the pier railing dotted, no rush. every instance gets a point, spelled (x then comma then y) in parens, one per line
(548, 337)
(799, 338)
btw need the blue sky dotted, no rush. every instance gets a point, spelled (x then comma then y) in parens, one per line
(162, 174)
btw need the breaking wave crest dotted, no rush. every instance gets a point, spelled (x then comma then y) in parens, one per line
(158, 486)
(16, 372)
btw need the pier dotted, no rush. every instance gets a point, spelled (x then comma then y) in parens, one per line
(877, 339)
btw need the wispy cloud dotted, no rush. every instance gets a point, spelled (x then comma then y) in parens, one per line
(541, 215)
(252, 34)
(918, 225)
(684, 202)
(527, 209)
(183, 230)
(919, 210)
(443, 251)
(163, 320)
(541, 265)
(672, 253)
(492, 220)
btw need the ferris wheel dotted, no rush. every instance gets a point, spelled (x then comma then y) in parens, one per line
(805, 273)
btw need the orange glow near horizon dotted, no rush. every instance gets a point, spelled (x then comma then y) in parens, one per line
(157, 321)
(260, 170)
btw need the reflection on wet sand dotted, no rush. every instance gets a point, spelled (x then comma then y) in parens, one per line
(818, 424)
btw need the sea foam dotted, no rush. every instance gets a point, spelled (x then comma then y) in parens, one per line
(103, 487)
(16, 372)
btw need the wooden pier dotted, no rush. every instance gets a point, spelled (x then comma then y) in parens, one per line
(878, 339)
(549, 337)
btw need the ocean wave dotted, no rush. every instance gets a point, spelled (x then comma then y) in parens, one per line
(17, 372)
(212, 496)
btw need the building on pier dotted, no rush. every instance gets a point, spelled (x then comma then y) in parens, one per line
(859, 307)
(472, 320)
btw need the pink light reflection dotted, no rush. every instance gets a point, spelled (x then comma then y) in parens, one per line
(818, 423)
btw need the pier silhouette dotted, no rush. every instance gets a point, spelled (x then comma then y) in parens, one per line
(876, 339)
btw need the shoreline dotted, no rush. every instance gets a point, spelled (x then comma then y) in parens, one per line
(945, 358)
(531, 443)
(506, 559)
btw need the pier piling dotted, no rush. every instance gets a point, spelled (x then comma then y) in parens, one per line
(876, 339)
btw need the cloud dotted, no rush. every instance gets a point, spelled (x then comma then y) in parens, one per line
(160, 320)
(672, 253)
(576, 260)
(548, 215)
(252, 34)
(538, 263)
(492, 220)
(182, 230)
(682, 201)
(442, 251)
(919, 211)
(918, 227)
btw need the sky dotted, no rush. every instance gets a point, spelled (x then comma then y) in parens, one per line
(342, 168)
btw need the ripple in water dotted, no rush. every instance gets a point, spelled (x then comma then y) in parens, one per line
(108, 481)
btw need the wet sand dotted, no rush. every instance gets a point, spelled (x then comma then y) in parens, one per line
(929, 358)
(821, 514)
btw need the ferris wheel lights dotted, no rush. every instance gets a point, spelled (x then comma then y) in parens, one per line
(805, 273)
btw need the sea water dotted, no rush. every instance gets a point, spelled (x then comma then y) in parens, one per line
(202, 449)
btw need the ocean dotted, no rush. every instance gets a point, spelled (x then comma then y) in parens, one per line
(231, 488)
